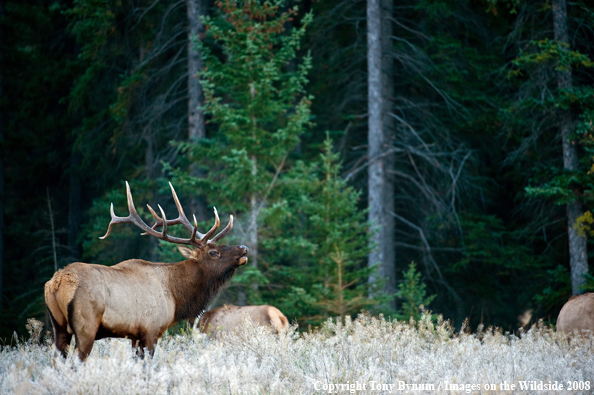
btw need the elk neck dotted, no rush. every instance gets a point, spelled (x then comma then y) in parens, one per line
(194, 285)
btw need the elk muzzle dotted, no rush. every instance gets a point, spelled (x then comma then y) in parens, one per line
(243, 258)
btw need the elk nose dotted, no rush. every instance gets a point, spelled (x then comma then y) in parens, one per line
(245, 250)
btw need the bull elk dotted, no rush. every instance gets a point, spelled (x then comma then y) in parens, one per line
(139, 299)
(228, 317)
(577, 314)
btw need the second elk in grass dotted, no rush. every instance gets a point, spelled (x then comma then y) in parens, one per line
(139, 299)
(577, 314)
(230, 317)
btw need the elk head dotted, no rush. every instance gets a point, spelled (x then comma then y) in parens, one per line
(204, 248)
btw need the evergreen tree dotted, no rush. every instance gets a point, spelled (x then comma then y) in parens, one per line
(257, 100)
(553, 103)
(322, 245)
(412, 292)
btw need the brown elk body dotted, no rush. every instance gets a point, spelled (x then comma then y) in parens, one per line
(228, 317)
(577, 314)
(137, 299)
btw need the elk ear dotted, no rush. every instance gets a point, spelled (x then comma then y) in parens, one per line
(185, 251)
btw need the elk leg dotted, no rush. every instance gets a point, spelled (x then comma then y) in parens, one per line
(147, 341)
(62, 341)
(134, 343)
(137, 345)
(84, 334)
(61, 336)
(84, 342)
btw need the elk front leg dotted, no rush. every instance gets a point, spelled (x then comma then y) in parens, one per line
(147, 341)
(85, 337)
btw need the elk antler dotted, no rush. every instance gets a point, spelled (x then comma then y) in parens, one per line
(134, 218)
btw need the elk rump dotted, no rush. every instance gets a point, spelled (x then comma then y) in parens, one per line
(577, 314)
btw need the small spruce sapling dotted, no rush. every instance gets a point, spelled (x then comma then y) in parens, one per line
(321, 254)
(412, 293)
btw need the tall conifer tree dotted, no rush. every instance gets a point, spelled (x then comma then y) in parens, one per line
(578, 254)
(257, 103)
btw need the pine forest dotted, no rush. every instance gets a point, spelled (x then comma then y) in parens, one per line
(414, 158)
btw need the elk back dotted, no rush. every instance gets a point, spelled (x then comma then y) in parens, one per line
(229, 317)
(577, 314)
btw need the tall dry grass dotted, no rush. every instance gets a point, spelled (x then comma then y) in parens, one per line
(370, 351)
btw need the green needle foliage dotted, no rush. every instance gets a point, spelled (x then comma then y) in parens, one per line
(412, 292)
(554, 182)
(320, 252)
(255, 96)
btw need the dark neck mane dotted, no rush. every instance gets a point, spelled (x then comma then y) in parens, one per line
(194, 287)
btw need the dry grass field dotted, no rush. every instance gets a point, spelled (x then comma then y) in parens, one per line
(364, 356)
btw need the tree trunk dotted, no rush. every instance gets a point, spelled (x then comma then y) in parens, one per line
(578, 257)
(252, 241)
(196, 124)
(1, 165)
(149, 160)
(196, 128)
(74, 209)
(378, 184)
(375, 131)
(252, 235)
(389, 254)
(1, 201)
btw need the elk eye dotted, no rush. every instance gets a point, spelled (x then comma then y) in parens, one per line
(214, 253)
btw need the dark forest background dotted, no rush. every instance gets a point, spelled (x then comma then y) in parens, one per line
(376, 155)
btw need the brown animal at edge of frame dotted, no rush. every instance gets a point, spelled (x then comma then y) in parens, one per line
(577, 314)
(136, 299)
(229, 317)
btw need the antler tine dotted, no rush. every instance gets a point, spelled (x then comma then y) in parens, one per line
(113, 217)
(177, 203)
(133, 217)
(223, 232)
(205, 238)
(181, 219)
(131, 207)
(164, 231)
(193, 238)
(182, 216)
(158, 221)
